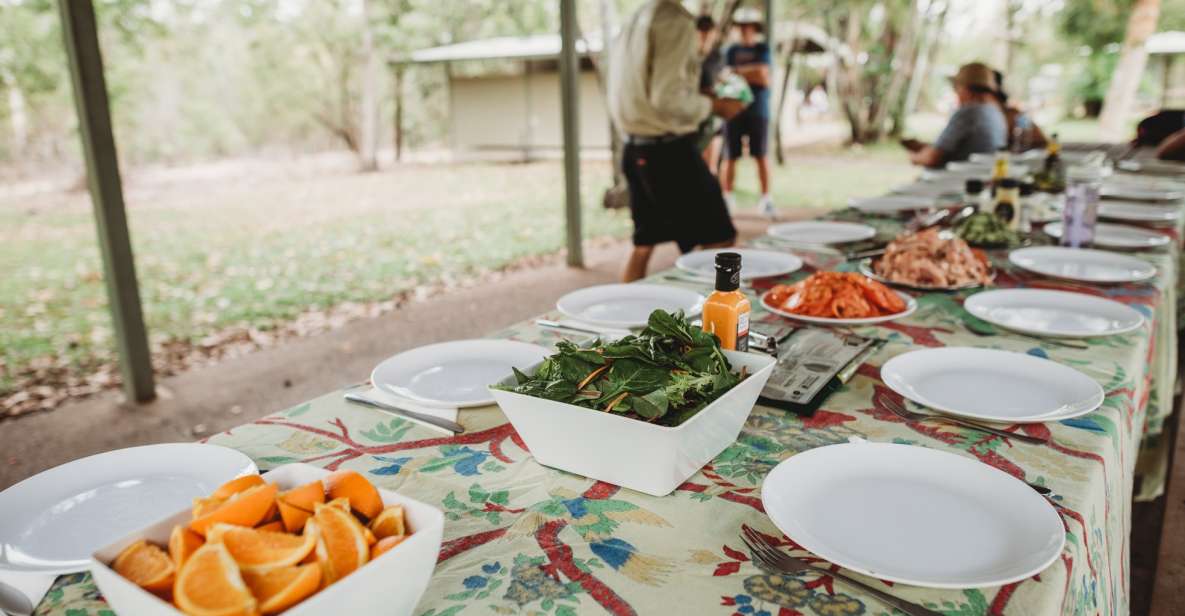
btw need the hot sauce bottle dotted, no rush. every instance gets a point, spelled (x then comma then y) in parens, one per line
(726, 311)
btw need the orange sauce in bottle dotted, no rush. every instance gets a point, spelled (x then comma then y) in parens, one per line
(726, 311)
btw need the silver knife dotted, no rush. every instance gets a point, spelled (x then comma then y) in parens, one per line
(439, 422)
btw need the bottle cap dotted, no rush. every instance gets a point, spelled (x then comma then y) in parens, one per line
(728, 259)
(1009, 183)
(973, 187)
(1027, 188)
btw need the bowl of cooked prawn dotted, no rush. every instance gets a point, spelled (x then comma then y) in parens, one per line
(930, 260)
(838, 298)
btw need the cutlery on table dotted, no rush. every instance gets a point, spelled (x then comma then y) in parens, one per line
(982, 331)
(770, 557)
(926, 221)
(583, 329)
(907, 415)
(439, 422)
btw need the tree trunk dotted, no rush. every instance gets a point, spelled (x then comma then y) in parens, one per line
(921, 70)
(904, 57)
(1126, 78)
(789, 75)
(398, 120)
(18, 115)
(368, 124)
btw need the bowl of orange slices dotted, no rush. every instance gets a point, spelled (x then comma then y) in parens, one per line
(299, 540)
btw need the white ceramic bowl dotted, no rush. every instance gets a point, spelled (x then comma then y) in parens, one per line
(630, 453)
(390, 584)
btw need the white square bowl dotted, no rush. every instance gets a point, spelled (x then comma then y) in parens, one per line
(390, 584)
(634, 454)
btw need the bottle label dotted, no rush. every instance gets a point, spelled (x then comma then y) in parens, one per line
(743, 332)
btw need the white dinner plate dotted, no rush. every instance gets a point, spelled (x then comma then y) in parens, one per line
(1116, 236)
(754, 263)
(454, 374)
(627, 305)
(822, 232)
(1043, 312)
(992, 385)
(53, 521)
(1123, 190)
(893, 203)
(913, 515)
(910, 306)
(1135, 211)
(1082, 264)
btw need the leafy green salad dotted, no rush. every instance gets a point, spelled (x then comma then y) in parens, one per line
(987, 230)
(664, 375)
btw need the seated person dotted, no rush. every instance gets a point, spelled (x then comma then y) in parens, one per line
(977, 126)
(1029, 134)
(1164, 130)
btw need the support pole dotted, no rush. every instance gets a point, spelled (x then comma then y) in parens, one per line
(570, 103)
(102, 169)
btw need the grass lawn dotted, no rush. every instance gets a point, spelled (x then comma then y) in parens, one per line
(248, 251)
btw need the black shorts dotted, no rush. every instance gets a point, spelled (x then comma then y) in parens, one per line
(746, 124)
(673, 195)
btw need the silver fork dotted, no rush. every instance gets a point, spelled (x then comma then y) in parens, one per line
(770, 557)
(901, 412)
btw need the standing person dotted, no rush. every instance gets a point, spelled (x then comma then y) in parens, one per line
(977, 126)
(750, 58)
(654, 97)
(713, 61)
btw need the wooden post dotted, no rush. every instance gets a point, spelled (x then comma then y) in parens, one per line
(570, 103)
(102, 169)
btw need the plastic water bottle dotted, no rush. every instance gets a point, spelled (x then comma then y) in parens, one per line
(1082, 206)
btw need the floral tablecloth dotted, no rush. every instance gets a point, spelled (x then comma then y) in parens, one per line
(524, 539)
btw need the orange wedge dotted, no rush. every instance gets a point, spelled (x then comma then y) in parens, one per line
(280, 589)
(210, 584)
(341, 542)
(384, 544)
(202, 506)
(182, 544)
(305, 496)
(294, 517)
(339, 503)
(259, 550)
(236, 485)
(146, 566)
(247, 508)
(364, 497)
(275, 526)
(389, 523)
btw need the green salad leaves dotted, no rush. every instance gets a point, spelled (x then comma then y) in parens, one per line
(664, 375)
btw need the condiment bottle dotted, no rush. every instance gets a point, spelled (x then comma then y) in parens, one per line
(1024, 218)
(1052, 177)
(973, 194)
(1000, 167)
(1007, 199)
(726, 311)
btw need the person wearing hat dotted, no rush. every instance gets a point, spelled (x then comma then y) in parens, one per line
(654, 97)
(977, 126)
(749, 58)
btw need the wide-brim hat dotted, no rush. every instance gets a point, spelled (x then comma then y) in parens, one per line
(975, 75)
(748, 16)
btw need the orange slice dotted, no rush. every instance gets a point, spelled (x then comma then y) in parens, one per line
(293, 517)
(364, 497)
(384, 544)
(275, 526)
(247, 508)
(202, 506)
(259, 550)
(339, 503)
(305, 496)
(146, 566)
(210, 584)
(182, 544)
(280, 589)
(236, 485)
(389, 523)
(341, 542)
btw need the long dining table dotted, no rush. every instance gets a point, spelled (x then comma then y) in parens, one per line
(521, 538)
